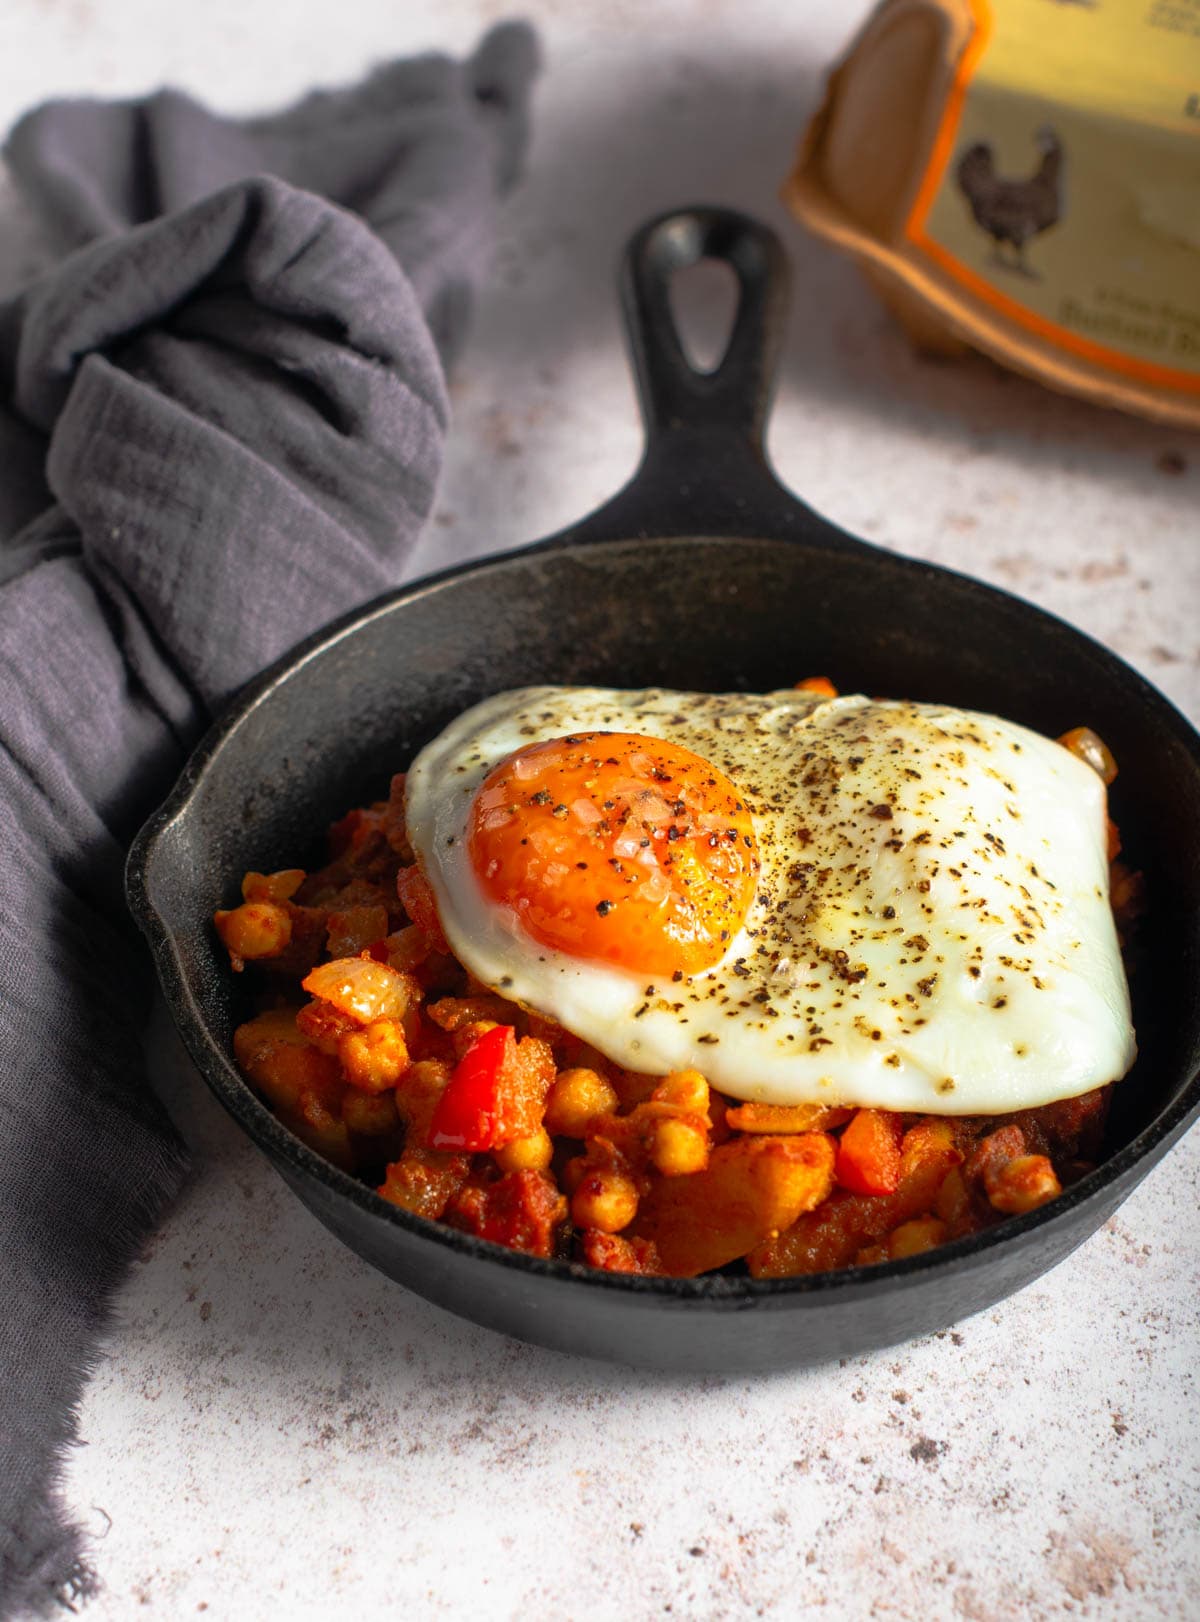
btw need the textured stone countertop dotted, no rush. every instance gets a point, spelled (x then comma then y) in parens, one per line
(279, 1431)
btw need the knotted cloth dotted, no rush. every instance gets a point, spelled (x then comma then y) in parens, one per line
(222, 416)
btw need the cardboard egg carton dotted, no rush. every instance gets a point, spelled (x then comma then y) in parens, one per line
(1023, 178)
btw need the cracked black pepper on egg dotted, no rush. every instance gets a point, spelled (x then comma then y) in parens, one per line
(814, 900)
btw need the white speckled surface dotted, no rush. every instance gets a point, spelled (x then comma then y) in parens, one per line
(277, 1430)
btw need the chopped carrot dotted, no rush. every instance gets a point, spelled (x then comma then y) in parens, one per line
(868, 1160)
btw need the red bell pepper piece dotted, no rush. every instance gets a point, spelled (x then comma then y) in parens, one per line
(868, 1158)
(469, 1113)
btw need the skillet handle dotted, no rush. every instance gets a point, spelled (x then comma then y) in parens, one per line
(704, 470)
(675, 397)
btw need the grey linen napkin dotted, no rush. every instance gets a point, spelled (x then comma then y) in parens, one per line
(221, 424)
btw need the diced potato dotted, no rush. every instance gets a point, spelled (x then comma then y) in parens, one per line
(371, 1115)
(394, 821)
(848, 1223)
(525, 1080)
(954, 1204)
(407, 948)
(317, 1121)
(266, 1029)
(275, 1057)
(991, 1153)
(416, 897)
(868, 1160)
(632, 1086)
(752, 1188)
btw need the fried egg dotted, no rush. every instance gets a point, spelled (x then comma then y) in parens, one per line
(843, 901)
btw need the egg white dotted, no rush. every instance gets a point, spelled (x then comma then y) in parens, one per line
(932, 928)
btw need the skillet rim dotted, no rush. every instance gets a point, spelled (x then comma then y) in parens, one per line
(1130, 1164)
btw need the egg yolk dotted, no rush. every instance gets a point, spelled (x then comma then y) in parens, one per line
(617, 848)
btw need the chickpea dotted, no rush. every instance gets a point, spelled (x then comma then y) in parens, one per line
(417, 1093)
(533, 1153)
(606, 1199)
(1021, 1184)
(466, 1036)
(575, 1099)
(911, 1238)
(374, 1058)
(953, 1201)
(256, 929)
(425, 1081)
(371, 1115)
(280, 886)
(679, 1148)
(686, 1089)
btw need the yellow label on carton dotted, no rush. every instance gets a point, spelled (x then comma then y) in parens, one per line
(1063, 187)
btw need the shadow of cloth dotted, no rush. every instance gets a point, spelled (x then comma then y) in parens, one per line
(229, 405)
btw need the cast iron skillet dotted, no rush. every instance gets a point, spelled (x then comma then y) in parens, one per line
(703, 573)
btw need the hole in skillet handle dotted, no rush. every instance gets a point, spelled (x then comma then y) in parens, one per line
(704, 300)
(705, 470)
(733, 399)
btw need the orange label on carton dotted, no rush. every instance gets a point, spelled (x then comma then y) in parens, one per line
(1078, 218)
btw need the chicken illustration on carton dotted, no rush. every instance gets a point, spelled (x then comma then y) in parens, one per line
(1023, 177)
(1013, 211)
